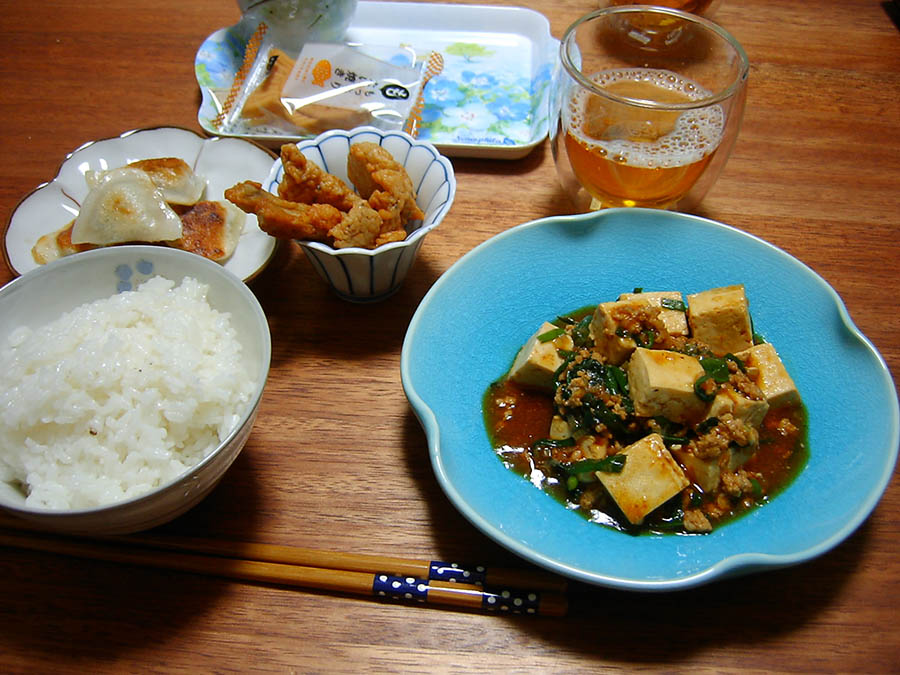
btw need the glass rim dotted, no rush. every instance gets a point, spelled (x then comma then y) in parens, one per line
(726, 93)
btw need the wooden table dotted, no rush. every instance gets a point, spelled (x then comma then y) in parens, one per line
(337, 459)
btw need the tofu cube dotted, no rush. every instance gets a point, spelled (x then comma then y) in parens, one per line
(649, 478)
(614, 348)
(707, 472)
(674, 320)
(662, 383)
(728, 400)
(559, 429)
(702, 472)
(771, 375)
(537, 361)
(720, 318)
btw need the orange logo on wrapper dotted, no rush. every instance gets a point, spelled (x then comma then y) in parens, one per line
(321, 72)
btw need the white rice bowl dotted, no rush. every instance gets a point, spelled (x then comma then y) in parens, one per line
(130, 380)
(118, 396)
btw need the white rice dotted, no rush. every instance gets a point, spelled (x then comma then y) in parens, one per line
(118, 396)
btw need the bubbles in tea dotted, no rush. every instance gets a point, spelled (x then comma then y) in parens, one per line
(628, 155)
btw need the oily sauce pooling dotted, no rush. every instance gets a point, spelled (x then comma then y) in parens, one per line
(648, 414)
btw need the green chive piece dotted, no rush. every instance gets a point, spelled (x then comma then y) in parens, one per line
(736, 361)
(553, 443)
(672, 303)
(581, 334)
(716, 368)
(707, 424)
(757, 488)
(616, 380)
(551, 335)
(610, 464)
(701, 393)
(675, 525)
(571, 483)
(567, 360)
(645, 338)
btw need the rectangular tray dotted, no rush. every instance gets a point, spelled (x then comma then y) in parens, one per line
(490, 100)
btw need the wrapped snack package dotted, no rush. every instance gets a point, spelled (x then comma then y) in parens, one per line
(325, 86)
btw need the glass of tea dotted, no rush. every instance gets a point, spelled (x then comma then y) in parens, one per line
(702, 7)
(646, 106)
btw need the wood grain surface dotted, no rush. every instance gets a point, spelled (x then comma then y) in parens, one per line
(337, 460)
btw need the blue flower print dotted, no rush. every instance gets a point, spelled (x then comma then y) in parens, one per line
(431, 113)
(443, 91)
(472, 116)
(509, 110)
(479, 80)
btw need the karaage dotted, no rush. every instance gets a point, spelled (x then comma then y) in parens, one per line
(306, 183)
(382, 181)
(283, 218)
(315, 205)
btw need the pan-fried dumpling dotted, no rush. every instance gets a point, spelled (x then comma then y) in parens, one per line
(172, 175)
(123, 206)
(211, 229)
(56, 245)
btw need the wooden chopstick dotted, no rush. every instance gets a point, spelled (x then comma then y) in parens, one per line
(381, 583)
(432, 570)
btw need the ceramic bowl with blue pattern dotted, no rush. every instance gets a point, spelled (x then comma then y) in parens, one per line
(371, 275)
(43, 295)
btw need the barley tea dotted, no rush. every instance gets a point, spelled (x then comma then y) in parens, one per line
(629, 155)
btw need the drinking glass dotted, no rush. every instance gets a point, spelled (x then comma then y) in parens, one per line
(702, 7)
(646, 106)
(292, 23)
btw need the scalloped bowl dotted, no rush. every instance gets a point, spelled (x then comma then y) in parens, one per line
(364, 275)
(44, 294)
(505, 287)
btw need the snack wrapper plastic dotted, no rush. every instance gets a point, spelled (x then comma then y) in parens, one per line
(325, 86)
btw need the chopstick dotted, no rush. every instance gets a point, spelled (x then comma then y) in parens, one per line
(433, 570)
(386, 584)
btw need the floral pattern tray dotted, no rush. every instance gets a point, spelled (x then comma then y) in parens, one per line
(490, 99)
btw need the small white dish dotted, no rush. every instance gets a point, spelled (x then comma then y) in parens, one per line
(221, 161)
(370, 275)
(44, 294)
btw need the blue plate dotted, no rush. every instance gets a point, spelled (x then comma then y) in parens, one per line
(472, 322)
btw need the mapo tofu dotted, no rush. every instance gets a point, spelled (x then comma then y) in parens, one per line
(653, 412)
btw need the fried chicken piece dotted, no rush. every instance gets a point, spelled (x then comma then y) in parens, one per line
(360, 226)
(306, 183)
(388, 237)
(283, 218)
(382, 181)
(390, 210)
(364, 161)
